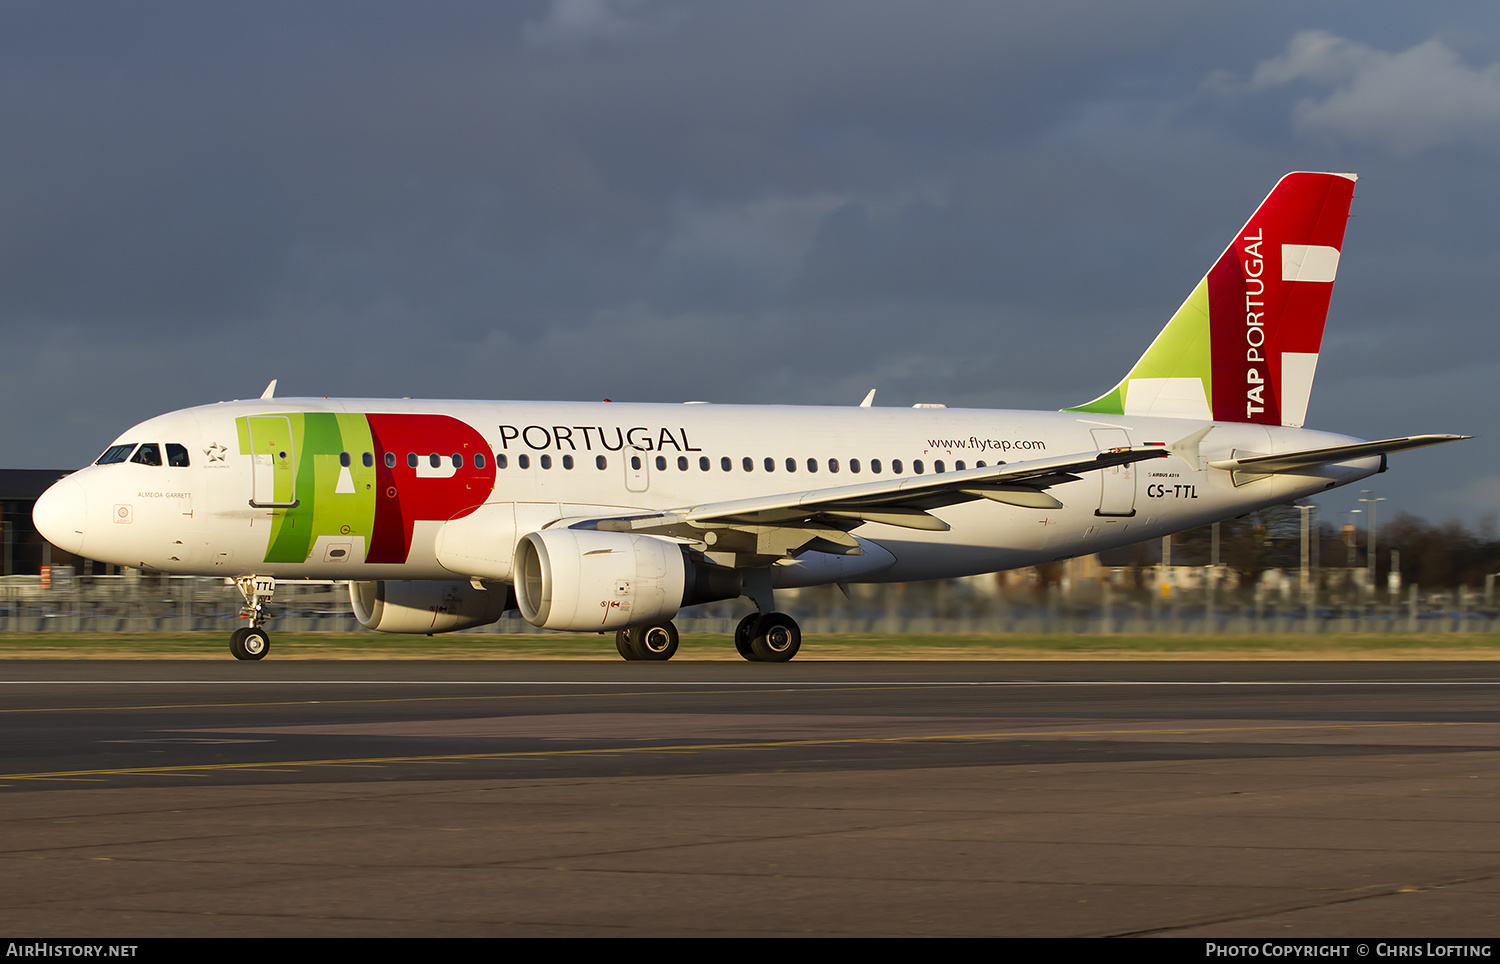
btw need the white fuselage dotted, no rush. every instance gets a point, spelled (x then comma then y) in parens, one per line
(228, 511)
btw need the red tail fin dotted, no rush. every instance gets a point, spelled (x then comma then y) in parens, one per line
(1268, 299)
(1244, 346)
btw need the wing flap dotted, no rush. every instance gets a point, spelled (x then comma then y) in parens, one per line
(919, 492)
(827, 514)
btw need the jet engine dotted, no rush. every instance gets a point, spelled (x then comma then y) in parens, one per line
(591, 581)
(427, 607)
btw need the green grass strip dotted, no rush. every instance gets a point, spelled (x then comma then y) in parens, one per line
(698, 647)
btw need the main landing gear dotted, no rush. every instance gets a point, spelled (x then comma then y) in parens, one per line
(765, 636)
(252, 641)
(768, 637)
(650, 643)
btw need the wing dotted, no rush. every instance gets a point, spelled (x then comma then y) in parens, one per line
(794, 522)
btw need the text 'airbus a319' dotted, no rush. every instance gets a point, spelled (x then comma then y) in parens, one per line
(594, 517)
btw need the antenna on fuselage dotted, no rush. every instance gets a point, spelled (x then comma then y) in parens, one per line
(270, 391)
(869, 400)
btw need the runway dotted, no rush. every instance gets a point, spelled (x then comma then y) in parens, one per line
(371, 798)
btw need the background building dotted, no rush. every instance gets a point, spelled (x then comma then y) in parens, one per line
(22, 549)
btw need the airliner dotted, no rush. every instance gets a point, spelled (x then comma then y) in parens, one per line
(610, 517)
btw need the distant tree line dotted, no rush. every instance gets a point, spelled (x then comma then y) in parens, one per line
(1436, 556)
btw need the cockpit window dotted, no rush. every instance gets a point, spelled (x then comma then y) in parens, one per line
(147, 454)
(116, 453)
(177, 456)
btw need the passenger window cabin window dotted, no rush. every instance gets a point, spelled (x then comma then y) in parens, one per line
(703, 463)
(916, 466)
(896, 466)
(875, 466)
(411, 459)
(458, 460)
(478, 460)
(661, 463)
(546, 461)
(500, 461)
(770, 465)
(567, 461)
(368, 459)
(725, 464)
(682, 463)
(435, 460)
(523, 461)
(748, 463)
(344, 459)
(979, 464)
(635, 462)
(791, 465)
(854, 466)
(601, 462)
(812, 465)
(938, 466)
(148, 454)
(390, 460)
(958, 466)
(833, 466)
(115, 453)
(177, 455)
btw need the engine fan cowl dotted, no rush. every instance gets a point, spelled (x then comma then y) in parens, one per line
(592, 581)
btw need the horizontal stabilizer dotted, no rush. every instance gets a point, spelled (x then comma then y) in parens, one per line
(1291, 461)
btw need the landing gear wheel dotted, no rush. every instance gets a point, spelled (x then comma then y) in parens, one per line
(777, 638)
(622, 644)
(744, 634)
(654, 643)
(250, 643)
(257, 644)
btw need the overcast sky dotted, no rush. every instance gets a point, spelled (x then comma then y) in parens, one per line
(983, 204)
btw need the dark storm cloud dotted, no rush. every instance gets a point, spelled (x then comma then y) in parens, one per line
(977, 203)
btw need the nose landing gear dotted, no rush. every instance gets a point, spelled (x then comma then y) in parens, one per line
(252, 641)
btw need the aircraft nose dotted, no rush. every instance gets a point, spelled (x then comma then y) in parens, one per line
(60, 515)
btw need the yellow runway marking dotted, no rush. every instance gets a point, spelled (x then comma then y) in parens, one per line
(291, 766)
(729, 688)
(693, 688)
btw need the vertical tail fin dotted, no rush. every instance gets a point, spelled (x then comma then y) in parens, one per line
(1244, 346)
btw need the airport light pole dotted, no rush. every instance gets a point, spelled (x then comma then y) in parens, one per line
(1349, 544)
(1309, 592)
(1370, 562)
(1213, 573)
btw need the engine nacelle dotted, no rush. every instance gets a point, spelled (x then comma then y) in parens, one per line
(427, 607)
(584, 580)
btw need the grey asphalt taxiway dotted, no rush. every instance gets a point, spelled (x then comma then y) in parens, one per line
(375, 798)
